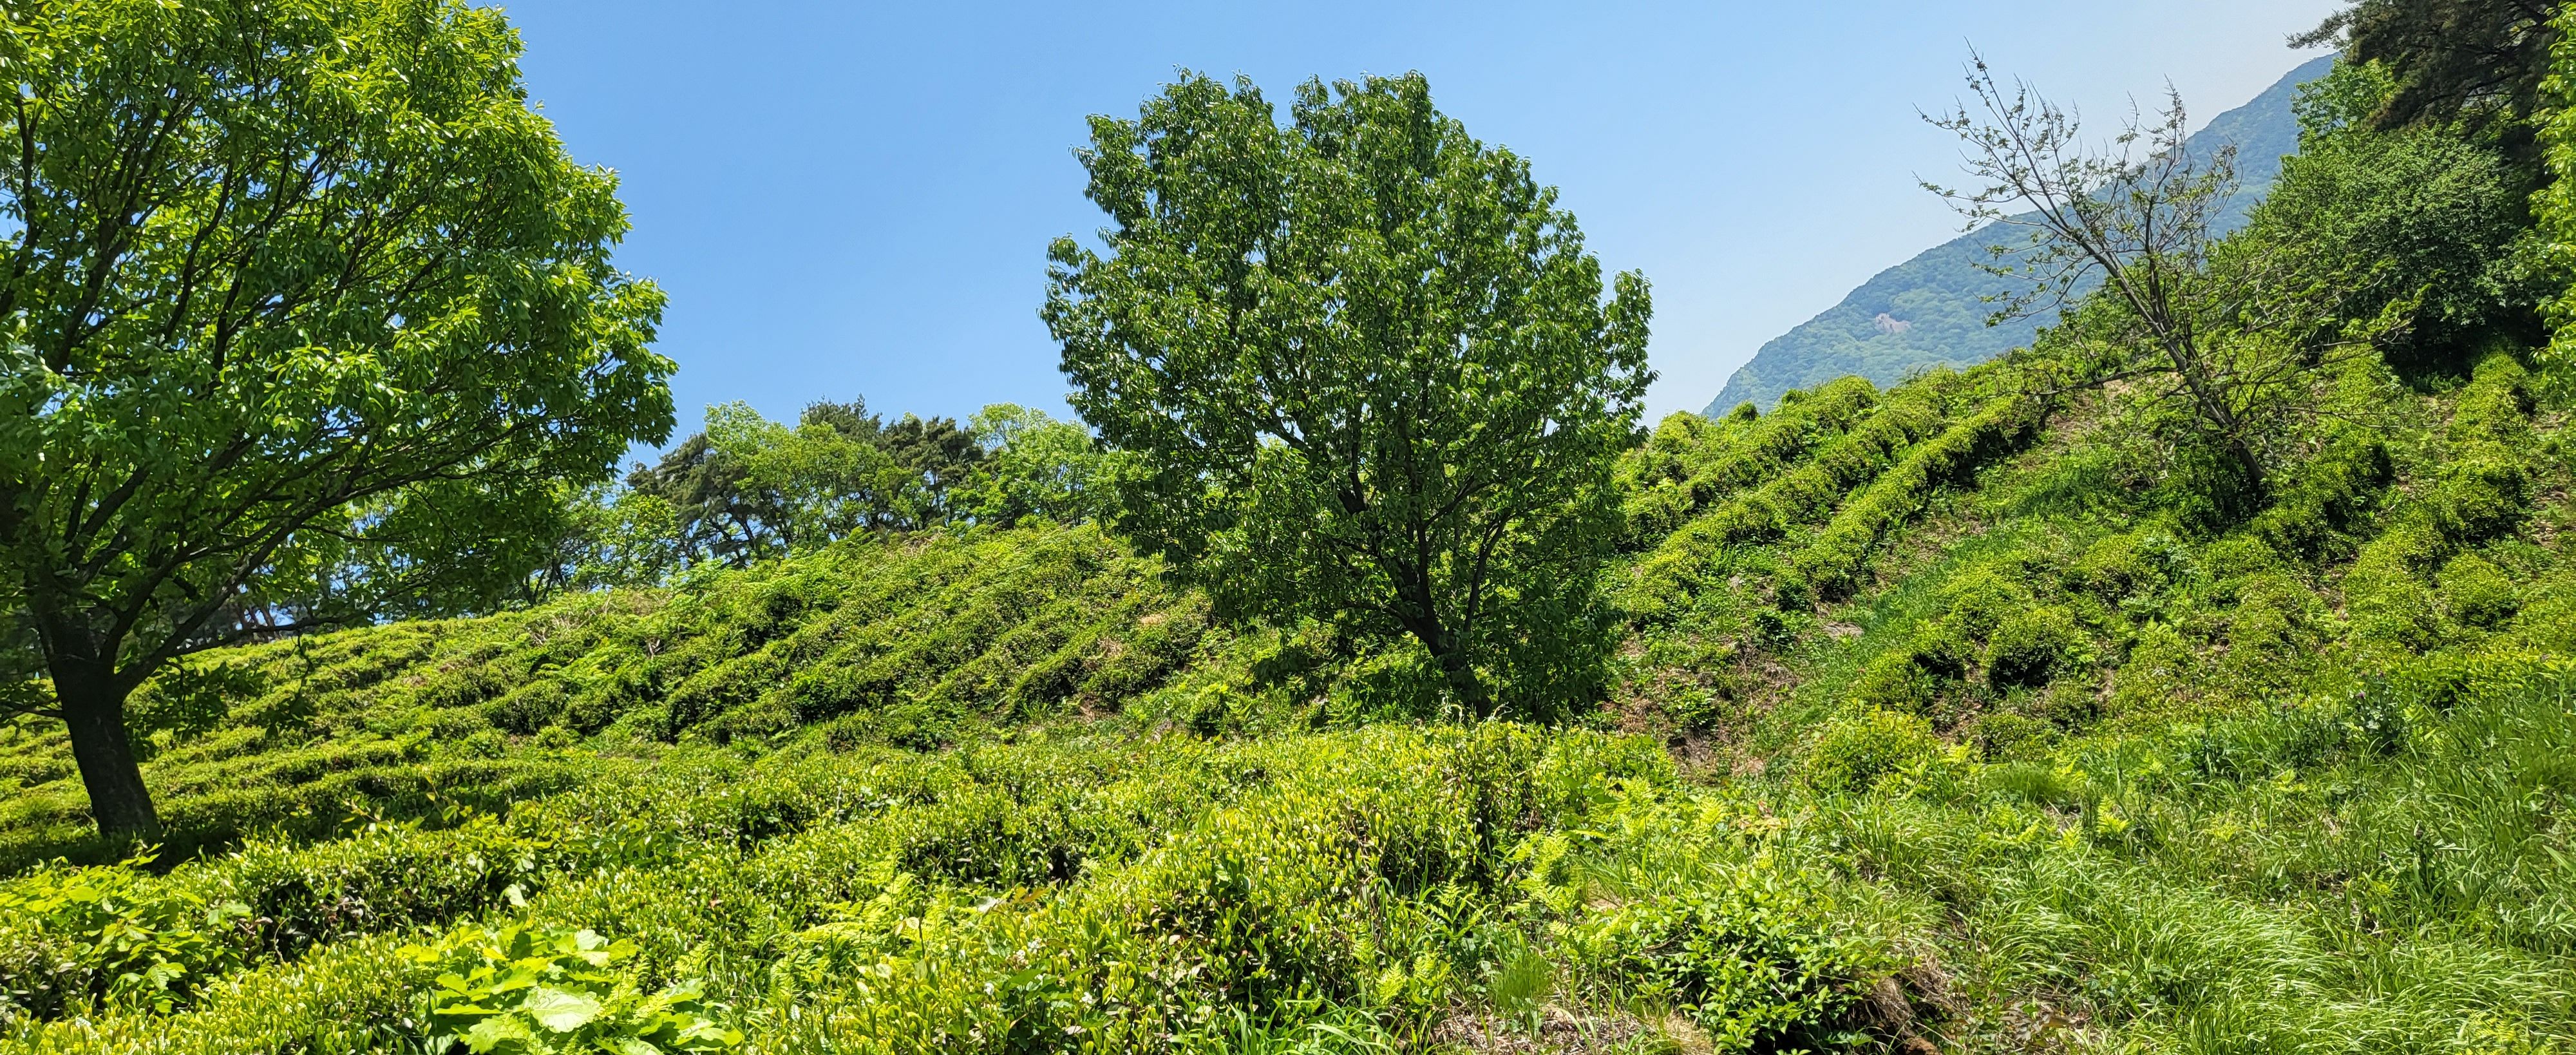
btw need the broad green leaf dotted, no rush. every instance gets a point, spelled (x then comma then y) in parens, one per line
(560, 1011)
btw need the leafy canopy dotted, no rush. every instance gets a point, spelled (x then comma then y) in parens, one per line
(2446, 57)
(304, 317)
(1367, 371)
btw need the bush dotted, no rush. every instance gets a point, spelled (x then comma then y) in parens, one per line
(2158, 676)
(1980, 600)
(2422, 220)
(2324, 501)
(2033, 645)
(2483, 494)
(71, 938)
(1758, 961)
(2478, 593)
(1834, 560)
(2236, 556)
(384, 878)
(1855, 753)
(2118, 567)
(1893, 682)
(2389, 606)
(518, 990)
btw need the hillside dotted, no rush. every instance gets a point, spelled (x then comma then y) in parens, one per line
(1998, 751)
(1929, 311)
(1360, 674)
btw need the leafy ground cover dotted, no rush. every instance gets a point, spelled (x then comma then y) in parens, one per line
(1931, 732)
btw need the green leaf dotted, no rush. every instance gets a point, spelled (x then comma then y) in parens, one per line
(560, 1011)
(491, 1033)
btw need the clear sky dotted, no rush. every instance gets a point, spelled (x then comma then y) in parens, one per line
(855, 199)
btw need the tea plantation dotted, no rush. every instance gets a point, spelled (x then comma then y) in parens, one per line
(1358, 675)
(1928, 731)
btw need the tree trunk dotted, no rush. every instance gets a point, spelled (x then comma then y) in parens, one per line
(1464, 682)
(1454, 663)
(1420, 616)
(94, 707)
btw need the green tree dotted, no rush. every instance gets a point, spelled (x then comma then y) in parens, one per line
(2420, 223)
(1365, 372)
(1034, 467)
(715, 517)
(308, 317)
(2447, 57)
(614, 536)
(2553, 206)
(819, 481)
(747, 488)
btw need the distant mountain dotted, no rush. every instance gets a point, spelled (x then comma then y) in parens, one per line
(1927, 311)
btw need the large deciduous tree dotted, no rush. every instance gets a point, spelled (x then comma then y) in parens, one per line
(305, 316)
(1364, 371)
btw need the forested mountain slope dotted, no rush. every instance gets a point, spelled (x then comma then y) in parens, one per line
(1929, 311)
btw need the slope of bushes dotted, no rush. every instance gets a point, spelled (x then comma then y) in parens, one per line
(1954, 715)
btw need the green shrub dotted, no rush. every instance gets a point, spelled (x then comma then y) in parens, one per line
(2004, 735)
(2323, 501)
(1979, 600)
(73, 937)
(2483, 494)
(519, 990)
(1691, 560)
(1855, 753)
(1700, 904)
(2118, 567)
(2158, 677)
(2389, 606)
(1395, 684)
(1760, 963)
(2031, 646)
(2236, 556)
(2547, 620)
(2478, 593)
(384, 878)
(1893, 682)
(1834, 560)
(2496, 404)
(2272, 620)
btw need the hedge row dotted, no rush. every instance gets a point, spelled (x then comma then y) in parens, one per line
(1691, 462)
(1385, 872)
(1688, 561)
(1833, 560)
(903, 643)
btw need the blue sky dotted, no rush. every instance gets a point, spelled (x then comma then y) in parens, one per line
(855, 199)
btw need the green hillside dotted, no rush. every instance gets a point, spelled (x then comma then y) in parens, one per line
(1931, 311)
(2201, 679)
(1929, 724)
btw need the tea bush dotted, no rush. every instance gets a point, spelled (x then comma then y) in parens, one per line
(72, 939)
(515, 990)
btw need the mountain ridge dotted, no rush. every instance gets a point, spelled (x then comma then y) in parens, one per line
(1930, 310)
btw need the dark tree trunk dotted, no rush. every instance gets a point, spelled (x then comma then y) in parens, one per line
(93, 705)
(1419, 614)
(1454, 662)
(1463, 680)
